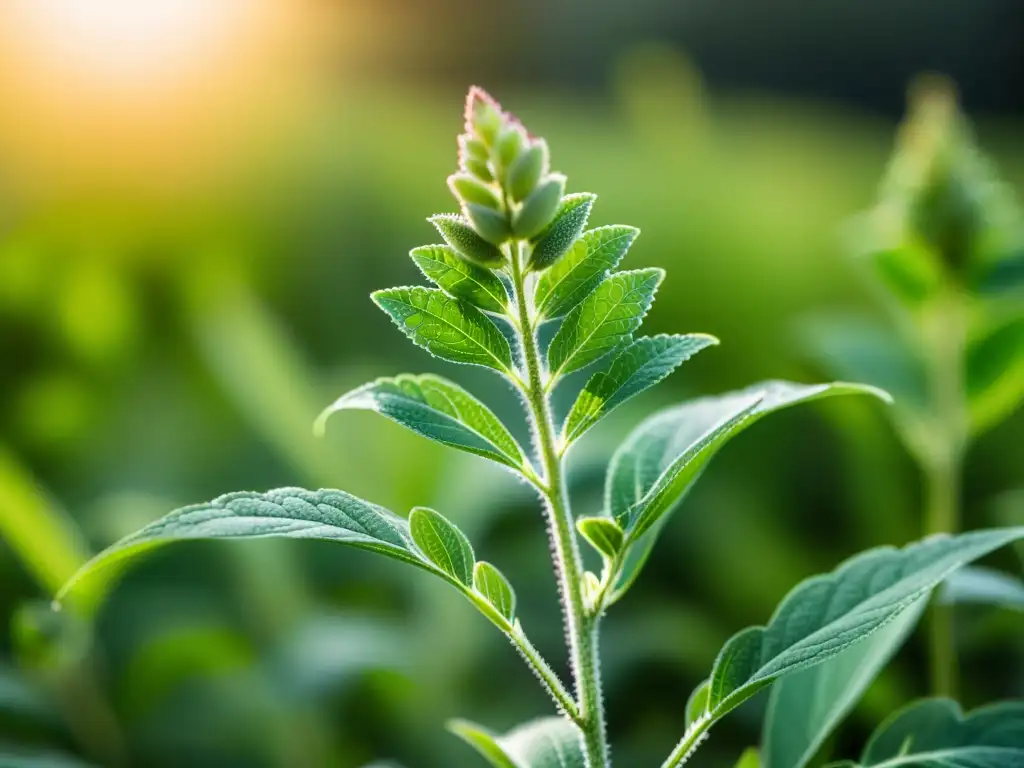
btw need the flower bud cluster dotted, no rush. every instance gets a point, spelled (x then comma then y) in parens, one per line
(505, 189)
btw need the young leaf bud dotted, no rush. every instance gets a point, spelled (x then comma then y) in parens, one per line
(471, 148)
(457, 232)
(483, 115)
(490, 224)
(528, 169)
(469, 189)
(510, 145)
(480, 169)
(564, 231)
(540, 207)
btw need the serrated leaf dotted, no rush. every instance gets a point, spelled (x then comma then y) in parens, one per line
(564, 231)
(435, 408)
(605, 320)
(978, 585)
(828, 614)
(461, 279)
(995, 374)
(550, 742)
(661, 458)
(805, 707)
(461, 236)
(638, 367)
(934, 733)
(492, 584)
(449, 328)
(443, 544)
(603, 533)
(575, 276)
(293, 513)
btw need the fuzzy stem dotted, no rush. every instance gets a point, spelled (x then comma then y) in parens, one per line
(943, 468)
(581, 629)
(692, 739)
(545, 674)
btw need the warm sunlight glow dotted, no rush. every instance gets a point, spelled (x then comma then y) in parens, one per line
(120, 42)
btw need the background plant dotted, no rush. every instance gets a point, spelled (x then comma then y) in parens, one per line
(516, 219)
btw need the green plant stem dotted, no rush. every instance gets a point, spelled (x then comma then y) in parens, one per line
(545, 674)
(943, 468)
(692, 739)
(581, 629)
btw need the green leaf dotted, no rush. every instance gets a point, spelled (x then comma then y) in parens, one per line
(661, 458)
(437, 409)
(805, 707)
(526, 170)
(750, 758)
(636, 368)
(564, 231)
(539, 209)
(460, 278)
(603, 533)
(492, 584)
(829, 613)
(38, 758)
(458, 233)
(293, 513)
(550, 742)
(934, 733)
(604, 320)
(995, 374)
(575, 276)
(697, 704)
(983, 586)
(443, 544)
(451, 329)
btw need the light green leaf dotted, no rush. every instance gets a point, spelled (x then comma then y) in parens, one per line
(995, 374)
(806, 706)
(697, 704)
(604, 320)
(294, 513)
(492, 584)
(603, 533)
(636, 368)
(750, 758)
(828, 614)
(458, 233)
(435, 408)
(661, 459)
(934, 733)
(575, 276)
(550, 742)
(452, 329)
(564, 231)
(985, 586)
(461, 279)
(443, 544)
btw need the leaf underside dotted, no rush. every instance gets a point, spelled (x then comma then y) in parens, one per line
(549, 742)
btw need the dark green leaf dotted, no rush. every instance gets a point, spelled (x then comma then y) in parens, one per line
(437, 409)
(492, 584)
(458, 233)
(658, 462)
(564, 231)
(460, 278)
(603, 321)
(828, 614)
(806, 706)
(575, 276)
(934, 733)
(638, 367)
(452, 329)
(540, 207)
(443, 544)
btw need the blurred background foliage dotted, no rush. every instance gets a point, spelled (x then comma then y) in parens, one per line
(196, 198)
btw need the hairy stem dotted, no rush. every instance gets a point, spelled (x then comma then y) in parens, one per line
(581, 629)
(692, 739)
(545, 674)
(943, 469)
